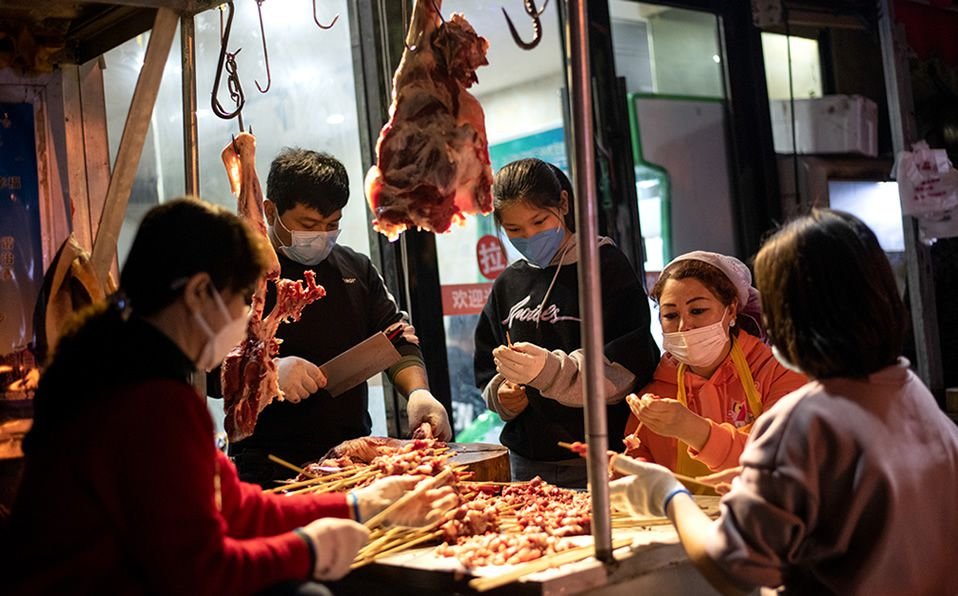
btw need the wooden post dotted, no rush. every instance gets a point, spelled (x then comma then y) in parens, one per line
(131, 143)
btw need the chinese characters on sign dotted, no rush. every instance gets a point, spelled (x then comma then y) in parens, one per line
(464, 299)
(492, 259)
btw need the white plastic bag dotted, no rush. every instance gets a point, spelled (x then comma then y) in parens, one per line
(927, 182)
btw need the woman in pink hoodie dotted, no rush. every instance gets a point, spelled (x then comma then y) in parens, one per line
(716, 376)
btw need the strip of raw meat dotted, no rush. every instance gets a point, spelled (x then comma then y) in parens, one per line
(432, 156)
(248, 375)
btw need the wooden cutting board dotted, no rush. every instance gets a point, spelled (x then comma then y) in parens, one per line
(488, 462)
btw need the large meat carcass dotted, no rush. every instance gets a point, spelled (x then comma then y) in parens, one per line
(248, 376)
(433, 156)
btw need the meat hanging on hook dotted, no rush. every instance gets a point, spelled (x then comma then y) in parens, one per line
(227, 62)
(320, 25)
(262, 31)
(534, 13)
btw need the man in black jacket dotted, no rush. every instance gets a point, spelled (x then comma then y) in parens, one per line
(306, 192)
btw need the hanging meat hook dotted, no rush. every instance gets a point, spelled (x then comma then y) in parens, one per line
(534, 13)
(227, 62)
(320, 25)
(262, 31)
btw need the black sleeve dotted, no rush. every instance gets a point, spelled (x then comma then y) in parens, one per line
(383, 310)
(626, 317)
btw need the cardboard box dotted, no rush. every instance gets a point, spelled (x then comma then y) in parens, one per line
(831, 124)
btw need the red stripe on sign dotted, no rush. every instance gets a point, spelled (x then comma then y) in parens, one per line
(464, 299)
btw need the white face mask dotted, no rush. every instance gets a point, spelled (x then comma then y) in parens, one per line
(219, 343)
(306, 248)
(697, 347)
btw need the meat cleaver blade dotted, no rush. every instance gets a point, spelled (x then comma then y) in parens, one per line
(359, 363)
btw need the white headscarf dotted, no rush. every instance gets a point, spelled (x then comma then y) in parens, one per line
(749, 299)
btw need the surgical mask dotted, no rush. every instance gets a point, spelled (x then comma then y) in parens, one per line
(539, 249)
(219, 343)
(699, 347)
(307, 248)
(785, 361)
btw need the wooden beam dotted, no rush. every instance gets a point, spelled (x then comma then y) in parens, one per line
(131, 143)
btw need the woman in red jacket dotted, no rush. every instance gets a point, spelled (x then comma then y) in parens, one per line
(716, 377)
(123, 491)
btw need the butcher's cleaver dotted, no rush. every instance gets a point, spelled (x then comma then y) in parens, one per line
(359, 363)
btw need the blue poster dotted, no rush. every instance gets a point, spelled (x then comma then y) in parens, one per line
(21, 256)
(548, 145)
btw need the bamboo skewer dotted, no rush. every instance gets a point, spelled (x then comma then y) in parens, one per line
(483, 584)
(680, 477)
(286, 464)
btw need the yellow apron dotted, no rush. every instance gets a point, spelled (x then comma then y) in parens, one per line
(684, 464)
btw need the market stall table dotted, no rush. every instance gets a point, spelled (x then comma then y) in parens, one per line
(648, 558)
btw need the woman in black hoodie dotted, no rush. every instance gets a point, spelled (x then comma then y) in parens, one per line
(528, 344)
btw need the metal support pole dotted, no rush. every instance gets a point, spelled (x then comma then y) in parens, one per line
(921, 284)
(191, 153)
(590, 292)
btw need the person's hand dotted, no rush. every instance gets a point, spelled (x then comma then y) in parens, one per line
(646, 490)
(408, 332)
(423, 510)
(335, 543)
(298, 378)
(512, 398)
(422, 407)
(520, 363)
(721, 481)
(669, 418)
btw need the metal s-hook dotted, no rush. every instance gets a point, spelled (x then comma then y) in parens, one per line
(534, 13)
(227, 61)
(320, 25)
(262, 31)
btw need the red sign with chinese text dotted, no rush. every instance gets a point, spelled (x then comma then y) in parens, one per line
(464, 299)
(491, 257)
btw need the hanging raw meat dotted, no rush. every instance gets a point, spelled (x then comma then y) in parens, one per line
(432, 156)
(248, 375)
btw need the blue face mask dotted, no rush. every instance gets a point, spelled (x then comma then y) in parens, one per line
(307, 248)
(540, 248)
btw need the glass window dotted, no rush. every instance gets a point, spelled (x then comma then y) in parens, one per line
(665, 50)
(311, 103)
(806, 75)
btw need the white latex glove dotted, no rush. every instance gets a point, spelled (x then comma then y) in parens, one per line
(298, 378)
(421, 407)
(521, 363)
(421, 511)
(335, 543)
(646, 491)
